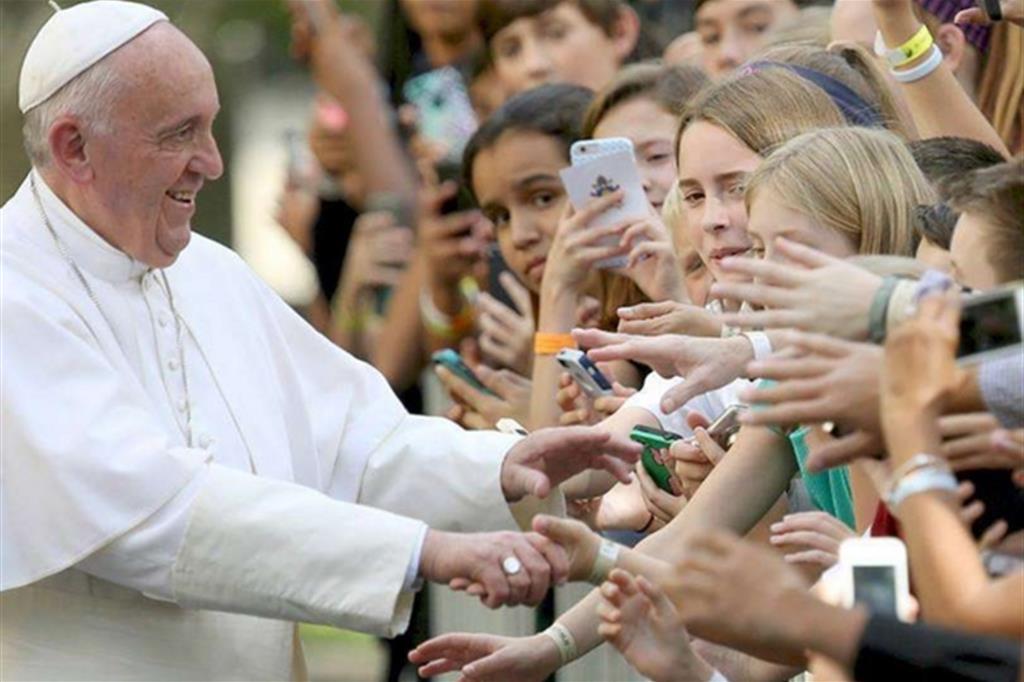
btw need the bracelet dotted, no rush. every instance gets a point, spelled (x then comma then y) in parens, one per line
(761, 343)
(923, 69)
(564, 642)
(545, 343)
(915, 46)
(441, 324)
(921, 460)
(921, 481)
(717, 676)
(879, 308)
(604, 562)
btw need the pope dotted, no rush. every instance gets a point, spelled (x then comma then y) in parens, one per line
(188, 467)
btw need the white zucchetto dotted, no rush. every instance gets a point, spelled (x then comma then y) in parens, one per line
(76, 38)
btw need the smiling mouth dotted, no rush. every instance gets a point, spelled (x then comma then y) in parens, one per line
(722, 254)
(183, 197)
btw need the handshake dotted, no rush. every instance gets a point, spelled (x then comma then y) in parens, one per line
(510, 568)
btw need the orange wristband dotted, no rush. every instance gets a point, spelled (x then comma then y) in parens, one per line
(549, 344)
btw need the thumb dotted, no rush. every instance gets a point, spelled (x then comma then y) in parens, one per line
(491, 379)
(531, 481)
(680, 394)
(695, 418)
(563, 532)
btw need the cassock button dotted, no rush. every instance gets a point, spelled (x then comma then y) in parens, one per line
(205, 440)
(173, 364)
(182, 405)
(163, 319)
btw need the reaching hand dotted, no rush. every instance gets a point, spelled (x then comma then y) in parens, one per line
(820, 379)
(705, 364)
(810, 537)
(643, 624)
(480, 410)
(920, 374)
(742, 595)
(811, 291)
(575, 538)
(506, 335)
(972, 441)
(669, 317)
(480, 562)
(547, 457)
(488, 657)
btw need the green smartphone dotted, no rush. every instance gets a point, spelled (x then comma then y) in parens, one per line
(653, 440)
(454, 363)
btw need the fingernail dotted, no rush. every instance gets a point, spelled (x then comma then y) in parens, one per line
(775, 527)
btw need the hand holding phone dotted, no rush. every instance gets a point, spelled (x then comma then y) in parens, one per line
(600, 167)
(584, 372)
(873, 572)
(453, 362)
(991, 325)
(654, 441)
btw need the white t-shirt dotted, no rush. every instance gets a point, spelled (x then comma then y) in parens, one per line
(710, 404)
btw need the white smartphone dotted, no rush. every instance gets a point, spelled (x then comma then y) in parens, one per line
(582, 151)
(873, 572)
(991, 324)
(598, 168)
(584, 372)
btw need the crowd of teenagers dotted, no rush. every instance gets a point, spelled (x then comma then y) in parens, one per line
(817, 311)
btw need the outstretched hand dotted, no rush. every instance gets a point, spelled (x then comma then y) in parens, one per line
(487, 657)
(810, 291)
(704, 363)
(546, 458)
(639, 620)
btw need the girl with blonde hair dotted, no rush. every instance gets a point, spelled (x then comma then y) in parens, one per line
(861, 184)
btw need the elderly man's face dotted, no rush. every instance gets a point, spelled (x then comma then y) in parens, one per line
(160, 149)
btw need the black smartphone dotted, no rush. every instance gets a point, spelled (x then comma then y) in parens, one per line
(992, 9)
(495, 266)
(462, 200)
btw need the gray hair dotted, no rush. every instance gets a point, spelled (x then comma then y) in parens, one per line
(89, 96)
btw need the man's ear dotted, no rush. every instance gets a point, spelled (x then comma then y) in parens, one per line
(953, 44)
(67, 149)
(625, 32)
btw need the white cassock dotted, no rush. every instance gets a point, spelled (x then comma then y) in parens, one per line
(128, 553)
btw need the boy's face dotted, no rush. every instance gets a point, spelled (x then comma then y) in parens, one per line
(969, 252)
(557, 46)
(732, 31)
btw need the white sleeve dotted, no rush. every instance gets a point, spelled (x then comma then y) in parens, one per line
(648, 398)
(143, 557)
(236, 542)
(432, 469)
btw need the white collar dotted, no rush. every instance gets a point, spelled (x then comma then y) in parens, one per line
(86, 248)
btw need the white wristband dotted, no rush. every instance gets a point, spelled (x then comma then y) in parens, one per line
(931, 62)
(761, 343)
(607, 554)
(564, 642)
(717, 676)
(921, 481)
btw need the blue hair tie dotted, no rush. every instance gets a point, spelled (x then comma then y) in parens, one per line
(853, 107)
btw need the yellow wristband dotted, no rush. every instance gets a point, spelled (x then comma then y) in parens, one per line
(549, 344)
(917, 46)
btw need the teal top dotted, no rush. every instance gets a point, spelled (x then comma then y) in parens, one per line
(830, 489)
